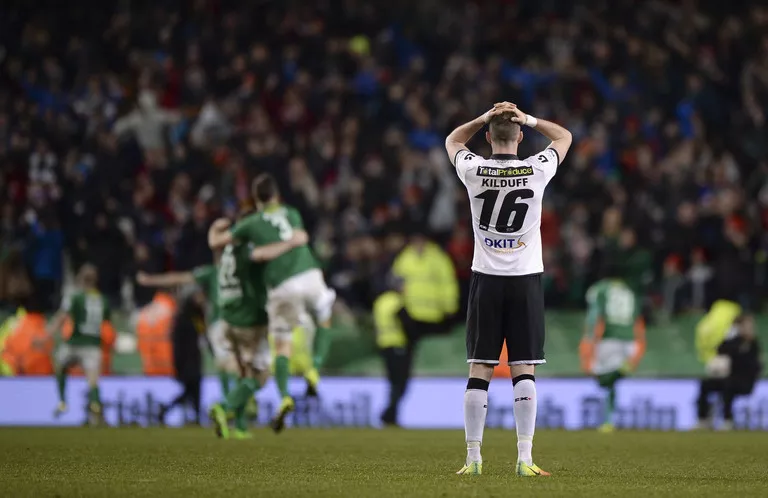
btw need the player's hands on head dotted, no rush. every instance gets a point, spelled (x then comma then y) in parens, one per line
(519, 116)
(498, 109)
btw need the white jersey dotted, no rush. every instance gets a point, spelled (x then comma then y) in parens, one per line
(505, 195)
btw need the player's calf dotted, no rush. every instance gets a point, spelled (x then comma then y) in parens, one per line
(525, 407)
(475, 410)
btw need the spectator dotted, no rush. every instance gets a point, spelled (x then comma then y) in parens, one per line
(165, 113)
(106, 249)
(46, 256)
(732, 373)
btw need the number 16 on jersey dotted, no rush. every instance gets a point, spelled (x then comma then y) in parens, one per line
(509, 207)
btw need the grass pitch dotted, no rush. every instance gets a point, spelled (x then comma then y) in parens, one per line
(369, 463)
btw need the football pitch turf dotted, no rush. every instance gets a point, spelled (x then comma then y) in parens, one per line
(372, 463)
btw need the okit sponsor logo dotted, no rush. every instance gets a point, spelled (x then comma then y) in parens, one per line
(504, 244)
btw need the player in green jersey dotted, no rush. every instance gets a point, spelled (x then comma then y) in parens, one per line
(88, 310)
(294, 281)
(205, 276)
(242, 304)
(614, 337)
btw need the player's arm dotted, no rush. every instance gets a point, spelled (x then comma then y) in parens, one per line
(640, 345)
(457, 140)
(592, 335)
(169, 279)
(219, 234)
(56, 323)
(561, 138)
(276, 249)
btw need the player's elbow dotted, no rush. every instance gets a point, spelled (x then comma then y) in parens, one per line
(452, 146)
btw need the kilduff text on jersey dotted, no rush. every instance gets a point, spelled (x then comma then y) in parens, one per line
(499, 183)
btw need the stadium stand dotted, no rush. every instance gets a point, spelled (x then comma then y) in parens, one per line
(125, 131)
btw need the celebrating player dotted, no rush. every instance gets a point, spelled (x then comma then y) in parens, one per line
(294, 280)
(205, 276)
(243, 341)
(614, 339)
(88, 310)
(506, 301)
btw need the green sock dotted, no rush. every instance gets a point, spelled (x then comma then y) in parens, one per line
(322, 346)
(282, 372)
(241, 421)
(225, 379)
(608, 382)
(61, 383)
(243, 391)
(94, 396)
(610, 404)
(238, 398)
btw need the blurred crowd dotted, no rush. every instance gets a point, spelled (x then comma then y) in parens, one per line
(126, 127)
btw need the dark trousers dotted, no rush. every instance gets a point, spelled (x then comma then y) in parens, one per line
(728, 388)
(190, 395)
(398, 363)
(416, 329)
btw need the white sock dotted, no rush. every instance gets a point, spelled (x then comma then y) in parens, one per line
(475, 409)
(525, 418)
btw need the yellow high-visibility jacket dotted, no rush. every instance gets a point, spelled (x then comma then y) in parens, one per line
(430, 288)
(6, 329)
(713, 327)
(389, 331)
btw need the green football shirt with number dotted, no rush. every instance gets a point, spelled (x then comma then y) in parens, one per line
(87, 309)
(276, 224)
(617, 304)
(206, 277)
(242, 296)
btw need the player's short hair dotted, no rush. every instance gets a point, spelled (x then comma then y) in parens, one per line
(503, 129)
(264, 188)
(88, 275)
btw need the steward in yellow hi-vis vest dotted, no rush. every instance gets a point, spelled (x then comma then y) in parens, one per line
(713, 327)
(389, 330)
(423, 299)
(395, 347)
(430, 287)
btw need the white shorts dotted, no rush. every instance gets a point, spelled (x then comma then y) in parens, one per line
(88, 357)
(220, 346)
(290, 301)
(240, 347)
(307, 323)
(612, 354)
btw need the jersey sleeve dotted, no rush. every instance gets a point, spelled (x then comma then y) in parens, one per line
(247, 230)
(464, 161)
(595, 307)
(202, 274)
(547, 161)
(240, 230)
(294, 218)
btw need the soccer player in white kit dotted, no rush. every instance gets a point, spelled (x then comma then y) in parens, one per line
(506, 301)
